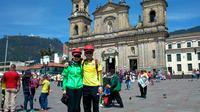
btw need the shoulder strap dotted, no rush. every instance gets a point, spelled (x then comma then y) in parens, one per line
(96, 65)
(83, 63)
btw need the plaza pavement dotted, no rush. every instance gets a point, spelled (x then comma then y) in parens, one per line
(182, 95)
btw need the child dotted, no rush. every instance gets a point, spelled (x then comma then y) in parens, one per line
(44, 93)
(106, 94)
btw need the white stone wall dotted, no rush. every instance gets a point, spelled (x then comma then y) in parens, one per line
(183, 51)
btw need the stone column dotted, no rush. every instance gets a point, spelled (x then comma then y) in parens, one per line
(116, 62)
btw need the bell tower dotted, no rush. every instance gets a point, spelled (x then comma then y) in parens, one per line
(80, 19)
(154, 12)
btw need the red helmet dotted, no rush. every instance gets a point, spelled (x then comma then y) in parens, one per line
(89, 48)
(76, 51)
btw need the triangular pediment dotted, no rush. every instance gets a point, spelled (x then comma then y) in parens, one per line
(109, 7)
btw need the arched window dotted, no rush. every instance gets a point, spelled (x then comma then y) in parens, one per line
(77, 6)
(152, 15)
(76, 30)
(85, 28)
(85, 7)
(110, 26)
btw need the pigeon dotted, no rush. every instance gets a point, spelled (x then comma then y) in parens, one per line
(130, 98)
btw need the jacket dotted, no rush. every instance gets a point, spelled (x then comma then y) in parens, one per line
(26, 84)
(72, 76)
(115, 83)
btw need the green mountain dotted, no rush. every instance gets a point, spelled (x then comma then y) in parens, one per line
(182, 31)
(23, 48)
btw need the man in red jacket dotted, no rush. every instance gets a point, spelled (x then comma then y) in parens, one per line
(12, 82)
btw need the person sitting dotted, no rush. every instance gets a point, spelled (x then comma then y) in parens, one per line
(106, 95)
(115, 87)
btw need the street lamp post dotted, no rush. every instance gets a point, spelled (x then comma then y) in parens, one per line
(45, 64)
(6, 52)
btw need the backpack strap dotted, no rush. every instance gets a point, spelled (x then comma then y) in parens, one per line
(96, 66)
(83, 63)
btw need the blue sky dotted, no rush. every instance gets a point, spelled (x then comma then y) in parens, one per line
(49, 18)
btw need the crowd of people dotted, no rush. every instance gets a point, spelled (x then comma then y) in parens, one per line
(11, 83)
(81, 79)
(196, 74)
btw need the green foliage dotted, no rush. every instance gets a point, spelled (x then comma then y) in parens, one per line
(23, 48)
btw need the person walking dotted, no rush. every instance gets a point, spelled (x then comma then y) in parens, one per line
(128, 80)
(150, 75)
(12, 83)
(92, 80)
(43, 99)
(198, 73)
(73, 81)
(183, 74)
(143, 89)
(34, 84)
(58, 79)
(28, 97)
(193, 74)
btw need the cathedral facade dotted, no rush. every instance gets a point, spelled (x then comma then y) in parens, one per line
(118, 45)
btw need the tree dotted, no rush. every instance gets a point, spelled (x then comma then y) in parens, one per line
(48, 52)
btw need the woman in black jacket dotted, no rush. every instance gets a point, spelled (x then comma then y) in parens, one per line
(28, 97)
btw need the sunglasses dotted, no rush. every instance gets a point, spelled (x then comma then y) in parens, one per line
(88, 52)
(77, 56)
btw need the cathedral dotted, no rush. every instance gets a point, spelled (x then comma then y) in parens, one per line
(118, 45)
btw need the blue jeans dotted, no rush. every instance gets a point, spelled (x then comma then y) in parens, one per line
(128, 84)
(28, 97)
(43, 100)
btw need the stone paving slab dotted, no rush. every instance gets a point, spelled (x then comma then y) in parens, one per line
(182, 95)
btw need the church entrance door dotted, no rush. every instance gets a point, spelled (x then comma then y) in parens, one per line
(110, 64)
(133, 64)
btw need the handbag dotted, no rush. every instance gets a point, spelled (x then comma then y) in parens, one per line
(65, 99)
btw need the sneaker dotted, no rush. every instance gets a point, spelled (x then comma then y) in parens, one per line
(41, 110)
(101, 105)
(121, 106)
(32, 110)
